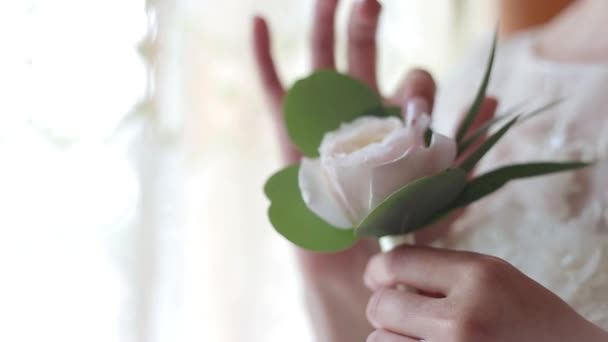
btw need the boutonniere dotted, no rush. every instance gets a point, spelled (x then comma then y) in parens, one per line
(367, 172)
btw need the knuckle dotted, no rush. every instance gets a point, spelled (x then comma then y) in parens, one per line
(487, 270)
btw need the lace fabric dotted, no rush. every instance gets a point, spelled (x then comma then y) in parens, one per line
(553, 228)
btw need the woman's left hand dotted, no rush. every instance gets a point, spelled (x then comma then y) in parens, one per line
(464, 296)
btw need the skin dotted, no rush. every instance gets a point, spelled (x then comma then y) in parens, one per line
(473, 297)
(467, 297)
(583, 27)
(517, 15)
(336, 294)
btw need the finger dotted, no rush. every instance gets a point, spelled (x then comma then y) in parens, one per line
(417, 83)
(323, 35)
(430, 270)
(362, 29)
(266, 67)
(402, 312)
(381, 335)
(486, 113)
(272, 87)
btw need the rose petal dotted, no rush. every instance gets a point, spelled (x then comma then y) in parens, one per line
(378, 141)
(415, 163)
(317, 194)
(357, 135)
(352, 186)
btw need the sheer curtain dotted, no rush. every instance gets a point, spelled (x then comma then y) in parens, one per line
(85, 158)
(68, 191)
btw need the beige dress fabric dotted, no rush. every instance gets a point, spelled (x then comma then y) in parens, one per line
(553, 228)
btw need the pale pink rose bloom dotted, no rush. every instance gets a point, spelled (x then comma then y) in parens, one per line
(364, 161)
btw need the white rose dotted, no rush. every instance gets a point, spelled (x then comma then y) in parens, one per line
(364, 161)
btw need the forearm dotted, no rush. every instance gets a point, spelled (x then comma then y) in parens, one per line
(337, 314)
(335, 292)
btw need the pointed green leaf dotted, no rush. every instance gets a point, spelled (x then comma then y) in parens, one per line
(494, 180)
(481, 94)
(414, 205)
(508, 114)
(292, 219)
(428, 137)
(472, 160)
(383, 111)
(321, 102)
(540, 110)
(481, 131)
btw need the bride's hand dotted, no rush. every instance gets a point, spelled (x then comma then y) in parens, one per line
(362, 28)
(464, 296)
(336, 294)
(416, 91)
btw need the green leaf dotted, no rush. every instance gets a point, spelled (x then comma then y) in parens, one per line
(481, 131)
(540, 110)
(494, 180)
(472, 160)
(508, 114)
(291, 217)
(428, 137)
(321, 102)
(382, 111)
(414, 205)
(393, 111)
(481, 94)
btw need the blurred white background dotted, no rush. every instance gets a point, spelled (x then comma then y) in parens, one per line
(134, 143)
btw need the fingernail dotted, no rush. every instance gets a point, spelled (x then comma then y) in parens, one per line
(414, 108)
(258, 20)
(369, 7)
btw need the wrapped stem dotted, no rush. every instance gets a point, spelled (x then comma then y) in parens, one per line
(388, 243)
